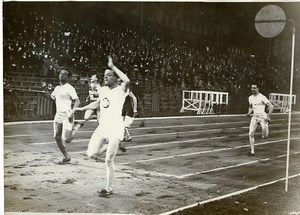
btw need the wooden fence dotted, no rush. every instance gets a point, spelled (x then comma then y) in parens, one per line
(154, 99)
(20, 105)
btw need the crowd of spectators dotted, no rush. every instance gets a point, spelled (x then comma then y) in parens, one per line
(37, 43)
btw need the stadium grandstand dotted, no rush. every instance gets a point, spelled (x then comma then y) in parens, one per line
(195, 69)
(165, 49)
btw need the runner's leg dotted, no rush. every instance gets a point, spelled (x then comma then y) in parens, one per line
(58, 130)
(265, 129)
(252, 129)
(96, 144)
(110, 163)
(70, 129)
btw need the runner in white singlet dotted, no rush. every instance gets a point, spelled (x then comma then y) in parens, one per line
(257, 104)
(110, 131)
(64, 127)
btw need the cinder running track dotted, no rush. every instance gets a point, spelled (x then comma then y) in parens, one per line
(170, 163)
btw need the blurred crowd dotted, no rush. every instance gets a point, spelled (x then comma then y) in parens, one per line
(44, 45)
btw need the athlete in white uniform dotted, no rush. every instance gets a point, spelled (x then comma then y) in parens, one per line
(111, 126)
(93, 96)
(64, 128)
(257, 103)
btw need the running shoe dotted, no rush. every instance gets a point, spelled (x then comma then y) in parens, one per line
(105, 193)
(250, 154)
(64, 161)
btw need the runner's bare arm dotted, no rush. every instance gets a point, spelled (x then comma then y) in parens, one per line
(47, 94)
(92, 106)
(270, 108)
(122, 76)
(249, 110)
(76, 105)
(134, 102)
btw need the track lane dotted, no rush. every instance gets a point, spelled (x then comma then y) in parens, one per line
(188, 188)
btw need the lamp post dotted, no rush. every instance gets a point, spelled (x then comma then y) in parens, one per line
(269, 22)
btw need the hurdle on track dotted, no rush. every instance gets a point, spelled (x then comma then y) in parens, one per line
(281, 101)
(203, 101)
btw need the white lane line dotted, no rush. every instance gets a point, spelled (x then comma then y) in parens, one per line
(138, 146)
(159, 144)
(159, 174)
(148, 135)
(207, 124)
(159, 127)
(26, 135)
(148, 128)
(92, 164)
(204, 152)
(151, 118)
(203, 131)
(196, 131)
(43, 134)
(233, 166)
(52, 142)
(196, 125)
(175, 142)
(227, 195)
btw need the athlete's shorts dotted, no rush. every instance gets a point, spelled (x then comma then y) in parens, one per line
(64, 119)
(258, 119)
(110, 129)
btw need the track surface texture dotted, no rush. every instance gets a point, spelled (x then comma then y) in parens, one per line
(169, 164)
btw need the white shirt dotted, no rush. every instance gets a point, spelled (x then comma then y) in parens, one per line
(258, 103)
(64, 95)
(111, 104)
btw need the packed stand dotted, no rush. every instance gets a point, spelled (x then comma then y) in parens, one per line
(36, 43)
